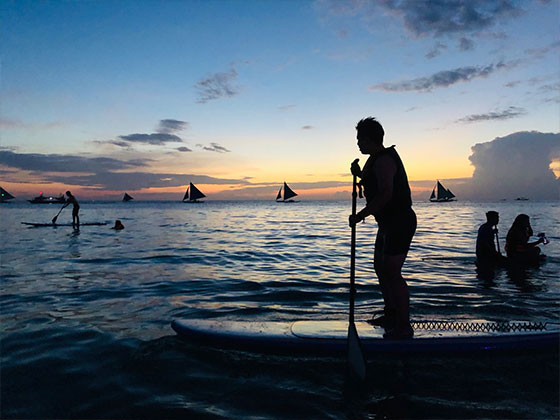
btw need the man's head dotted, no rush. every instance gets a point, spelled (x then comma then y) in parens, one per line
(68, 193)
(492, 217)
(370, 135)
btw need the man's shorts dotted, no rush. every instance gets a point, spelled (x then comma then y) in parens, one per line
(395, 234)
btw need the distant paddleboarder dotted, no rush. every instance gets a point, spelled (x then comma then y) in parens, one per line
(76, 209)
(388, 198)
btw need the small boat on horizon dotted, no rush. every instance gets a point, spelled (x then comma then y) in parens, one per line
(41, 199)
(194, 196)
(522, 199)
(127, 197)
(440, 194)
(286, 195)
(5, 195)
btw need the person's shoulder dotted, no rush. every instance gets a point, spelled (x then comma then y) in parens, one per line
(385, 162)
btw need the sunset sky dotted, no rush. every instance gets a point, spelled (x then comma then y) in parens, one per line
(103, 97)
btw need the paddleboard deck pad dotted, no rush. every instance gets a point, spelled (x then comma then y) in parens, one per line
(62, 224)
(330, 337)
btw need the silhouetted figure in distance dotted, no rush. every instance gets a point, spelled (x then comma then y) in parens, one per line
(518, 247)
(75, 210)
(487, 255)
(118, 225)
(388, 199)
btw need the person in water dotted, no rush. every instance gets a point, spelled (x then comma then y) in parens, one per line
(118, 225)
(75, 210)
(388, 199)
(518, 247)
(486, 253)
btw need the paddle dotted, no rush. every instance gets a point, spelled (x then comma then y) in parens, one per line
(356, 360)
(56, 217)
(497, 242)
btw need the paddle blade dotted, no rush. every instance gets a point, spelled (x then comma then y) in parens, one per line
(54, 218)
(356, 359)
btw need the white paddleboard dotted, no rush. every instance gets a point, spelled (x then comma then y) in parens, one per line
(330, 337)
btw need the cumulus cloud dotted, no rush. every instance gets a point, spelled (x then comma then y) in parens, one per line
(171, 126)
(216, 86)
(65, 163)
(441, 79)
(505, 114)
(214, 147)
(516, 165)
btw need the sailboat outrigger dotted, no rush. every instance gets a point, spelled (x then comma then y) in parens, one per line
(194, 196)
(288, 195)
(440, 194)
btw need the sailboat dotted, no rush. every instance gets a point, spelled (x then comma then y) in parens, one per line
(440, 194)
(5, 195)
(127, 197)
(288, 194)
(194, 196)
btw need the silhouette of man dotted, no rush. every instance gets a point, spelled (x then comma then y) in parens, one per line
(75, 210)
(388, 199)
(486, 253)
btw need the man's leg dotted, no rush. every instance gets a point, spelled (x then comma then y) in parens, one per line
(398, 289)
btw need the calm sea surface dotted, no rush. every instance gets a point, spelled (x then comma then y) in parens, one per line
(85, 315)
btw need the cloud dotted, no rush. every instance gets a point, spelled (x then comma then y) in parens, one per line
(437, 18)
(436, 50)
(216, 86)
(214, 147)
(516, 165)
(184, 149)
(441, 79)
(65, 163)
(171, 126)
(466, 44)
(17, 124)
(307, 127)
(505, 114)
(154, 138)
(286, 107)
(137, 180)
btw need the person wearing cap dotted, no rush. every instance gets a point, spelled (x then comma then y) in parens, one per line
(486, 253)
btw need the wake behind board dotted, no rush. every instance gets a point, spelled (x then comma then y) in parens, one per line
(330, 337)
(62, 224)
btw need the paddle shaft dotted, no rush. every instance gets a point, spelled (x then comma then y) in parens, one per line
(497, 241)
(353, 252)
(56, 217)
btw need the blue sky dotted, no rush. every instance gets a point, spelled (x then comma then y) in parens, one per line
(265, 91)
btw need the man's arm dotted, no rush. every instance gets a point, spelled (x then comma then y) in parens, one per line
(385, 169)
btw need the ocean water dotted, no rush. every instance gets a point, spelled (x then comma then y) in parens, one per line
(85, 315)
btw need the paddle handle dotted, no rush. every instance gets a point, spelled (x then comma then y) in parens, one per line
(353, 251)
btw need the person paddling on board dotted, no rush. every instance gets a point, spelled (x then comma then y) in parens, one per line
(518, 247)
(72, 200)
(486, 253)
(388, 198)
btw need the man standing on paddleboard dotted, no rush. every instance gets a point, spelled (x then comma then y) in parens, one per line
(72, 200)
(388, 199)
